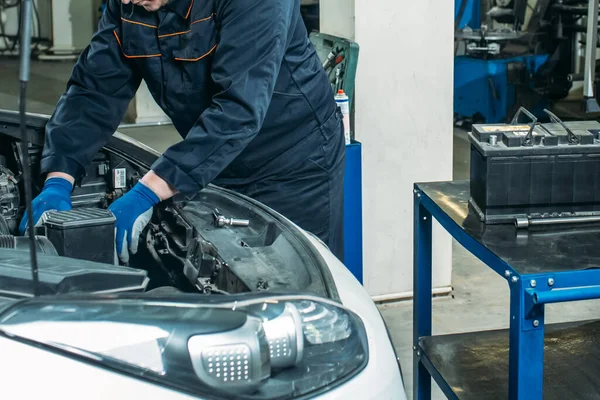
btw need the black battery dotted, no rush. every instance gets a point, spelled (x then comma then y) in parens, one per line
(83, 233)
(535, 171)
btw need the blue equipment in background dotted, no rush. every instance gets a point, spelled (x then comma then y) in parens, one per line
(489, 83)
(489, 88)
(467, 13)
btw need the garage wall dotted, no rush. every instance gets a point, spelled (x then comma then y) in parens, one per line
(76, 19)
(75, 22)
(404, 113)
(337, 17)
(11, 21)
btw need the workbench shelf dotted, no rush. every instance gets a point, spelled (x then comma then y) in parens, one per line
(541, 267)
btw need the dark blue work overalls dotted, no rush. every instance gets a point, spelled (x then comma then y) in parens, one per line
(241, 83)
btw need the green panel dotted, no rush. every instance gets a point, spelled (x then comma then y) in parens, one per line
(324, 44)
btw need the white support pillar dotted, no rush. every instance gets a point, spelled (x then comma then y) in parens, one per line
(337, 17)
(404, 114)
(145, 109)
(73, 24)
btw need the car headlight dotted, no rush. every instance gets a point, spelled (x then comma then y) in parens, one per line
(254, 347)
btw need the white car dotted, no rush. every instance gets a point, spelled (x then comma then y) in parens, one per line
(205, 310)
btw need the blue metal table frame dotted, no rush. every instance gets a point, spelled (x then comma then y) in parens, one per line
(528, 295)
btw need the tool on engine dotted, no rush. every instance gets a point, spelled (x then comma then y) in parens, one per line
(221, 221)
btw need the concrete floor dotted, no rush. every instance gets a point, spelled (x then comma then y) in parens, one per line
(480, 297)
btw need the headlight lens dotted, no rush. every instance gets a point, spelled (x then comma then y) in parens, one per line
(323, 324)
(243, 347)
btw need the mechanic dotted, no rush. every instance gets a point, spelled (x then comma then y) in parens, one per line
(244, 88)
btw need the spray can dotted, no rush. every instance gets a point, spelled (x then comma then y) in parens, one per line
(343, 103)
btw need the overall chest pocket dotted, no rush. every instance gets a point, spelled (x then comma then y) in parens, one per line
(195, 52)
(137, 39)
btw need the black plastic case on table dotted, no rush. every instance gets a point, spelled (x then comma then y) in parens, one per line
(535, 170)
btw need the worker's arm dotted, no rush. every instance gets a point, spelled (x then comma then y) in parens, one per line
(252, 42)
(101, 86)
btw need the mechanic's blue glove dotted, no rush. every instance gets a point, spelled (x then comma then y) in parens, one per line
(133, 212)
(55, 196)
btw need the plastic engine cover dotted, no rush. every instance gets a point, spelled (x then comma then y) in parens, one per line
(61, 275)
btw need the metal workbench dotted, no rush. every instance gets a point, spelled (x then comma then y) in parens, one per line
(540, 267)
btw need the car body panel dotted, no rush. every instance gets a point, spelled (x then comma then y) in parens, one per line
(34, 372)
(75, 379)
(381, 379)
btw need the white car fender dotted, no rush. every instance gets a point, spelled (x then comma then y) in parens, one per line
(381, 378)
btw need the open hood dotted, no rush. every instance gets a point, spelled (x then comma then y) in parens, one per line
(184, 246)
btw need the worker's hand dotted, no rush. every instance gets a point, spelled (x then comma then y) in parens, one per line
(55, 196)
(133, 212)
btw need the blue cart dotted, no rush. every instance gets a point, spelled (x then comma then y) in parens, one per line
(530, 360)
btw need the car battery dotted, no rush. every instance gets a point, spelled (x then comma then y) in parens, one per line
(83, 233)
(534, 172)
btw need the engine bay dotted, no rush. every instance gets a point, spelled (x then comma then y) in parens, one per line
(217, 243)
